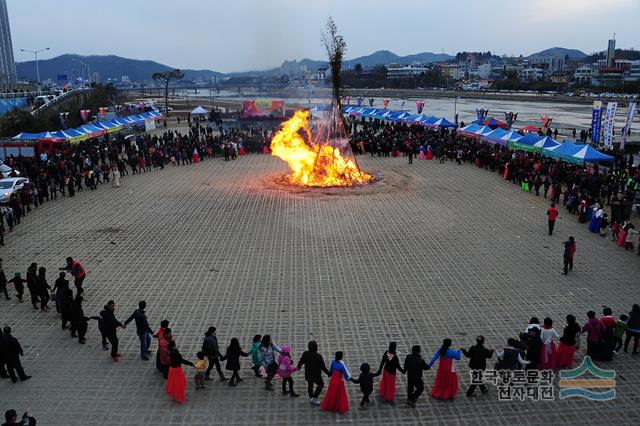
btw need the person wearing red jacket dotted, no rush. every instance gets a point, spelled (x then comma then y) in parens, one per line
(77, 270)
(552, 214)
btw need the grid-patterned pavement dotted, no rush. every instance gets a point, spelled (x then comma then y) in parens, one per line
(432, 251)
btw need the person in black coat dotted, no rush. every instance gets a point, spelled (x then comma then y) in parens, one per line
(232, 356)
(414, 365)
(390, 364)
(79, 322)
(365, 380)
(3, 370)
(18, 282)
(3, 281)
(64, 298)
(11, 352)
(314, 366)
(32, 284)
(478, 356)
(43, 287)
(110, 324)
(533, 348)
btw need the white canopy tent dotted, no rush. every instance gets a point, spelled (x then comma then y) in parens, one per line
(199, 111)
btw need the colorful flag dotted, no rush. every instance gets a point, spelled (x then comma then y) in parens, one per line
(84, 114)
(596, 121)
(385, 103)
(481, 113)
(371, 101)
(609, 120)
(626, 130)
(510, 118)
(419, 106)
(360, 100)
(546, 123)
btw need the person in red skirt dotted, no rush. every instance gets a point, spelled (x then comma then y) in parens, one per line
(446, 384)
(548, 349)
(195, 158)
(336, 397)
(388, 367)
(567, 347)
(176, 382)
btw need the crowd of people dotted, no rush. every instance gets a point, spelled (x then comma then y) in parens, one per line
(584, 191)
(540, 346)
(87, 165)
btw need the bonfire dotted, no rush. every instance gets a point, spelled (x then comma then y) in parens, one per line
(324, 158)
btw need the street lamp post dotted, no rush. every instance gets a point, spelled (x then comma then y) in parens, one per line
(35, 52)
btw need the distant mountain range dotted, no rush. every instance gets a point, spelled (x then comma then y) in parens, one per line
(114, 67)
(562, 52)
(381, 57)
(109, 66)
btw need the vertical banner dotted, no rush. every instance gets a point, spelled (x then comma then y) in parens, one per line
(84, 114)
(359, 100)
(385, 103)
(371, 101)
(347, 99)
(510, 118)
(626, 130)
(596, 118)
(609, 120)
(481, 113)
(402, 102)
(419, 106)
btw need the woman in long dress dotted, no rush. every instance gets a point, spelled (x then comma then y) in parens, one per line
(567, 347)
(446, 384)
(596, 219)
(548, 350)
(335, 399)
(176, 382)
(388, 367)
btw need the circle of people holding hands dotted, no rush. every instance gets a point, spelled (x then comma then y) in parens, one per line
(540, 346)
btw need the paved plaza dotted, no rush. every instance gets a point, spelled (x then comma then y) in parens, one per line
(431, 251)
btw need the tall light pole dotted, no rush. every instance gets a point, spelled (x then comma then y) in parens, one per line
(82, 65)
(35, 52)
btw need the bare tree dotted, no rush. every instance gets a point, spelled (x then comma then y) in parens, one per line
(167, 77)
(336, 46)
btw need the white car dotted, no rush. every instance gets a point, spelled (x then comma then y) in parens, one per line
(9, 186)
(5, 170)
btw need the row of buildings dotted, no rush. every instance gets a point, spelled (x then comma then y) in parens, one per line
(607, 72)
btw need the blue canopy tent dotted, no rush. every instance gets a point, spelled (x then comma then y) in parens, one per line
(589, 154)
(380, 114)
(469, 131)
(576, 153)
(565, 151)
(483, 131)
(495, 137)
(545, 142)
(30, 136)
(442, 122)
(396, 115)
(411, 118)
(512, 136)
(526, 143)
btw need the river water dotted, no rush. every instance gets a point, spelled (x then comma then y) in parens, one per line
(565, 115)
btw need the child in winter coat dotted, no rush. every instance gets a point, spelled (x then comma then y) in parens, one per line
(234, 352)
(255, 354)
(366, 384)
(285, 370)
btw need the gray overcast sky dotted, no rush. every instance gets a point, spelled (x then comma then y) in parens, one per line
(237, 35)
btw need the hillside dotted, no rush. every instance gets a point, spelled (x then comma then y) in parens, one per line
(561, 52)
(110, 66)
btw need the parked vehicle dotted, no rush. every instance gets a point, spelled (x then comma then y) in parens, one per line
(11, 186)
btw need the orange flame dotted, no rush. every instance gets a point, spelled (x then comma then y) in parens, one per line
(315, 165)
